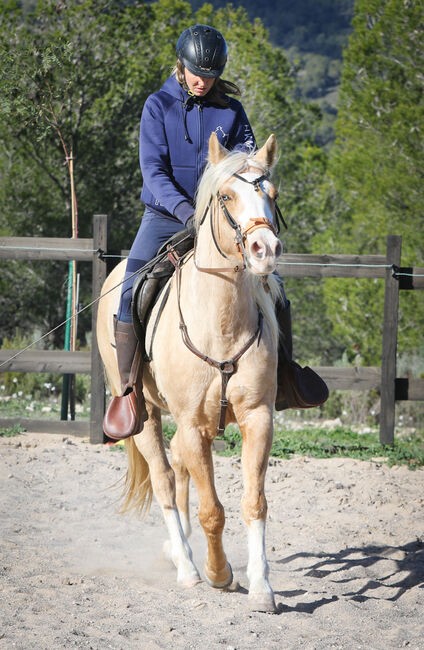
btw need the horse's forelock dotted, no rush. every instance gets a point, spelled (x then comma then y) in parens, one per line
(215, 176)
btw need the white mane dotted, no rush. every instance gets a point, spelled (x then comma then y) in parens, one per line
(212, 179)
(215, 175)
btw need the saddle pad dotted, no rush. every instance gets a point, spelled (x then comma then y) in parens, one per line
(151, 280)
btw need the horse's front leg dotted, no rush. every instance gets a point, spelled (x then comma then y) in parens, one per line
(182, 484)
(197, 455)
(257, 439)
(150, 444)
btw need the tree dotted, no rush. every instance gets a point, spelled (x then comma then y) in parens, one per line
(375, 173)
(84, 70)
(88, 68)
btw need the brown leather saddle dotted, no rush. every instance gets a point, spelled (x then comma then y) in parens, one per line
(150, 285)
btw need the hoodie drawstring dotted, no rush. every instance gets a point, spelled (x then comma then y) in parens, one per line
(185, 107)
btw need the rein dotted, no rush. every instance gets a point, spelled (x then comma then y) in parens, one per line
(228, 367)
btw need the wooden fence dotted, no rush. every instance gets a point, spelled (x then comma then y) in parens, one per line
(387, 268)
(65, 249)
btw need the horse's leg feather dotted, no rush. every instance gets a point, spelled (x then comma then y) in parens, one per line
(150, 445)
(257, 439)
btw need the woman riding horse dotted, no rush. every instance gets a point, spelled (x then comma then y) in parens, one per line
(175, 127)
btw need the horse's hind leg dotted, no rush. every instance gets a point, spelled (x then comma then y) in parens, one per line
(150, 444)
(257, 439)
(197, 456)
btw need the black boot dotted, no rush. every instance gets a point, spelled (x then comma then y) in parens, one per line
(297, 387)
(126, 414)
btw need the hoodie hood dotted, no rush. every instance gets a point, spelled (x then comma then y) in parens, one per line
(173, 88)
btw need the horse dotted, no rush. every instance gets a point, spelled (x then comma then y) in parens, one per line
(214, 361)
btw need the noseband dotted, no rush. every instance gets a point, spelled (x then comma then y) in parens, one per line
(240, 235)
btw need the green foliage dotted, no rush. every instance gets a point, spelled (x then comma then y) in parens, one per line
(168, 429)
(374, 183)
(11, 432)
(310, 25)
(313, 34)
(337, 442)
(80, 72)
(32, 386)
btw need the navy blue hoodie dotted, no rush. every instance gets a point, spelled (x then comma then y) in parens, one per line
(174, 134)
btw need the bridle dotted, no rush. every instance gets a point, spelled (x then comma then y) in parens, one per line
(240, 234)
(229, 366)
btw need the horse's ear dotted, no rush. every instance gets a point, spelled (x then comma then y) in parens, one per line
(216, 151)
(266, 155)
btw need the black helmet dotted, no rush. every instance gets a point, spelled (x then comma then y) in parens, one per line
(203, 50)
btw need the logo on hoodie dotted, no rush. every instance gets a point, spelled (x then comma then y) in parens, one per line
(221, 135)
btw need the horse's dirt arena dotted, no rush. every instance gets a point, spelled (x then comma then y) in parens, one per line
(345, 544)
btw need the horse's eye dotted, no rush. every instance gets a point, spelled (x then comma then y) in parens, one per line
(225, 197)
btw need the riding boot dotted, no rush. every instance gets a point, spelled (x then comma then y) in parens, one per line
(297, 387)
(126, 413)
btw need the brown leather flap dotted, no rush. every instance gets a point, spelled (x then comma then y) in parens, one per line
(303, 387)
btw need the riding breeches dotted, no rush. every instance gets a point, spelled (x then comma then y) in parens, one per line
(155, 230)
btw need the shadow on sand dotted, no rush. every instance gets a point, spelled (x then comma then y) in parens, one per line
(404, 573)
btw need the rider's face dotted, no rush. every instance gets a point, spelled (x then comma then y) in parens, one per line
(199, 86)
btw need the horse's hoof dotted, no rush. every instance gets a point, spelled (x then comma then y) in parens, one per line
(262, 603)
(221, 579)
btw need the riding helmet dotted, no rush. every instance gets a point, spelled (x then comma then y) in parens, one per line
(202, 50)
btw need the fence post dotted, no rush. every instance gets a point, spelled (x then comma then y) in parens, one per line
(97, 373)
(390, 328)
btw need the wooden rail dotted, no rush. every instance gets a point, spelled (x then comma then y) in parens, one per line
(84, 250)
(387, 268)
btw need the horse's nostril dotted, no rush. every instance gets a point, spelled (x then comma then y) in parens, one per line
(278, 249)
(257, 250)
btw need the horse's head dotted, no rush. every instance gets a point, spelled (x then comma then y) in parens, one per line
(244, 198)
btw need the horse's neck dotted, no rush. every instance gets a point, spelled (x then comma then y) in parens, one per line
(224, 298)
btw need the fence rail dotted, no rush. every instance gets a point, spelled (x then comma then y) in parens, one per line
(387, 268)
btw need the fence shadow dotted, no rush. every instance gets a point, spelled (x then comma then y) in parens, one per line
(330, 565)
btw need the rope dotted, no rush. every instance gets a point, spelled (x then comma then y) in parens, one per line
(49, 248)
(350, 266)
(103, 255)
(395, 273)
(74, 315)
(409, 275)
(156, 259)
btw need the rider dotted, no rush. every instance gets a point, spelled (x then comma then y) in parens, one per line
(175, 126)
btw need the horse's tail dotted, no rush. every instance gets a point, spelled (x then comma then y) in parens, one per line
(137, 494)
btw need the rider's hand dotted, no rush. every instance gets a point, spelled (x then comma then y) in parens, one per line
(190, 227)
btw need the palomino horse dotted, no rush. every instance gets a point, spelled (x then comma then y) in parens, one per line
(221, 307)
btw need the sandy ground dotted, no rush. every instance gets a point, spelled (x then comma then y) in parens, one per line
(345, 545)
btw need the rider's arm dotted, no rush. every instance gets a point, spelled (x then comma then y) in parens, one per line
(155, 163)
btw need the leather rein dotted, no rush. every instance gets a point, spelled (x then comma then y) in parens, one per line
(228, 367)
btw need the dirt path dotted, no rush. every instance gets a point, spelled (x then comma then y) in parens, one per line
(345, 545)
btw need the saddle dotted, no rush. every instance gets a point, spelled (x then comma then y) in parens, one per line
(151, 281)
